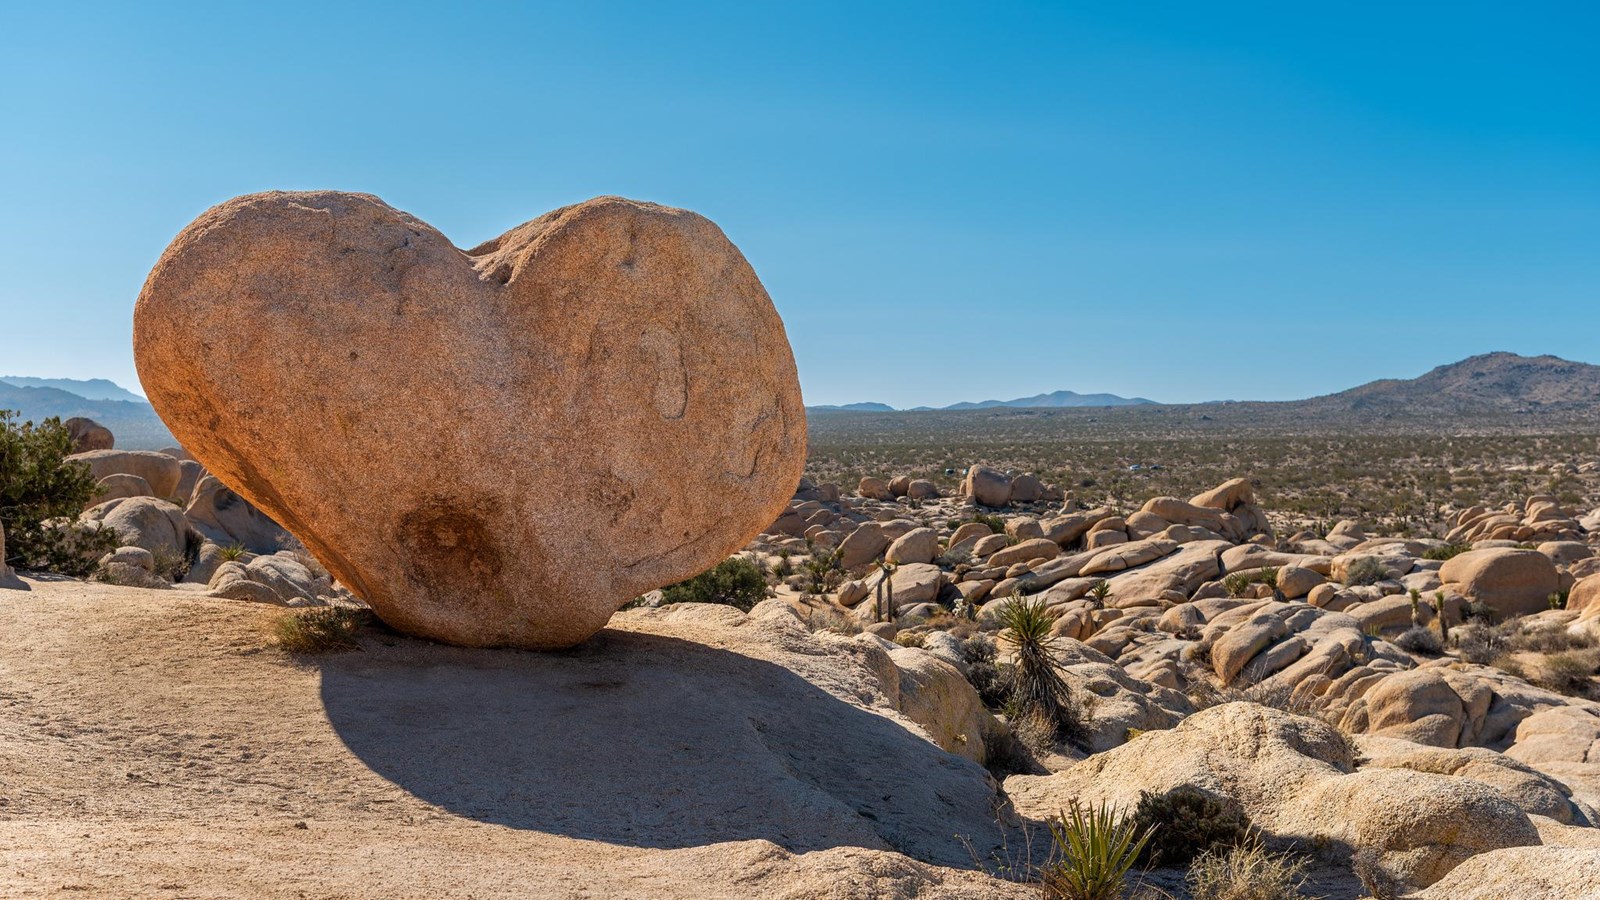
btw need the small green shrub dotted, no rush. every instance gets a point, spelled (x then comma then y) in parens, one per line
(1419, 640)
(1099, 593)
(1236, 583)
(41, 494)
(231, 552)
(1569, 673)
(989, 678)
(1448, 551)
(1364, 571)
(1185, 822)
(1096, 845)
(736, 582)
(822, 569)
(1247, 872)
(996, 523)
(320, 629)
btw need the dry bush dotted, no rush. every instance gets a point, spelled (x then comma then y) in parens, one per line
(320, 629)
(1247, 872)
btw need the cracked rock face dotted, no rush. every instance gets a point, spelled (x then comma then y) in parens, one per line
(497, 447)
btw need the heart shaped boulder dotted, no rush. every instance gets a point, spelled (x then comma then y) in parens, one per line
(497, 447)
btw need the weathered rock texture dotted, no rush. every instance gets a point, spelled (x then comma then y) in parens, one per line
(497, 447)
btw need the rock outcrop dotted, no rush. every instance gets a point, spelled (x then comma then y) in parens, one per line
(492, 448)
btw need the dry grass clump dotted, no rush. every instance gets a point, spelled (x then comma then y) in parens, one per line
(320, 629)
(1247, 872)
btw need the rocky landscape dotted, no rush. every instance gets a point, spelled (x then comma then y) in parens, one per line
(582, 619)
(1412, 716)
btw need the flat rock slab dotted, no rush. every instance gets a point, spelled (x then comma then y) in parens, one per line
(149, 738)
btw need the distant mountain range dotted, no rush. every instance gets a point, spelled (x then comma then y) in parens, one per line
(1056, 400)
(92, 389)
(1491, 383)
(133, 421)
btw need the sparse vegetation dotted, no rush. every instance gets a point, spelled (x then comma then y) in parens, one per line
(1186, 822)
(1364, 571)
(1247, 872)
(320, 629)
(1446, 552)
(736, 581)
(41, 494)
(996, 523)
(1421, 641)
(1037, 687)
(231, 552)
(1095, 846)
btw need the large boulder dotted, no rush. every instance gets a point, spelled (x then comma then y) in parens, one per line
(1511, 581)
(497, 447)
(223, 517)
(919, 545)
(159, 470)
(987, 487)
(87, 434)
(1418, 825)
(147, 522)
(1527, 873)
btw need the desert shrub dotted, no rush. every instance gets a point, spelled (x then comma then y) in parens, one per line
(1479, 611)
(1095, 847)
(321, 629)
(1036, 684)
(822, 569)
(1424, 641)
(38, 485)
(1448, 551)
(1247, 872)
(1035, 732)
(1479, 643)
(1363, 571)
(736, 581)
(1185, 822)
(174, 566)
(831, 619)
(1558, 599)
(231, 552)
(996, 523)
(1236, 583)
(989, 678)
(1568, 673)
(911, 638)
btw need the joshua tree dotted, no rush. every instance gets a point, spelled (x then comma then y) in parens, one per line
(883, 596)
(1438, 610)
(1416, 608)
(1100, 591)
(1038, 688)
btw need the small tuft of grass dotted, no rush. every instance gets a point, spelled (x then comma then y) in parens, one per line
(231, 552)
(320, 629)
(1247, 872)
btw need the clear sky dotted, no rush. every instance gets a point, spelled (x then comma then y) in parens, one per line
(1184, 201)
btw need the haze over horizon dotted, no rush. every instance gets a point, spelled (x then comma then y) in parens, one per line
(947, 203)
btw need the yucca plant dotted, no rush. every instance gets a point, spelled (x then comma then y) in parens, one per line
(1101, 592)
(1096, 846)
(1438, 610)
(1037, 685)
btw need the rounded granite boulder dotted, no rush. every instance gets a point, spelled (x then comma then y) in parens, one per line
(493, 447)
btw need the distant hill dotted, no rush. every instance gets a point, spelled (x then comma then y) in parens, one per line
(1056, 400)
(1490, 383)
(134, 422)
(853, 407)
(92, 389)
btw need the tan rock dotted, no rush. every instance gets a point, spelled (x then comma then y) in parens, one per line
(87, 434)
(1511, 581)
(919, 545)
(1525, 873)
(874, 489)
(597, 403)
(159, 470)
(987, 487)
(1025, 551)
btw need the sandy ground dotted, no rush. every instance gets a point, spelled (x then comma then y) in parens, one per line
(155, 744)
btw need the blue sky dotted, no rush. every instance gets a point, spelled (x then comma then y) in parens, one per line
(946, 201)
